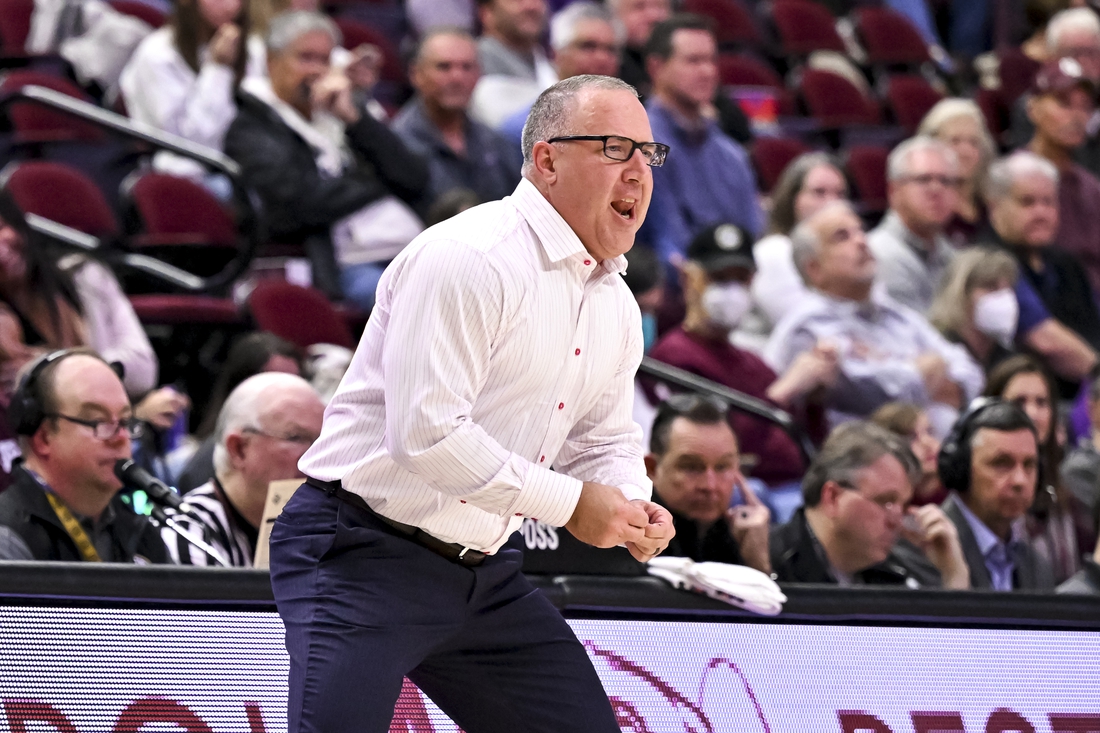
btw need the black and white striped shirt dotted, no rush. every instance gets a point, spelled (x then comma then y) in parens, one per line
(218, 528)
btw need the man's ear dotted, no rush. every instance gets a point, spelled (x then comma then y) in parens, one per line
(41, 442)
(235, 446)
(830, 496)
(542, 156)
(651, 461)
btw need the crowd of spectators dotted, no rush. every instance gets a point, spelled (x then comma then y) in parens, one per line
(940, 352)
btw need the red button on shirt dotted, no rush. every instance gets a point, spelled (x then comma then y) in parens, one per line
(577, 352)
(561, 405)
(518, 514)
(588, 262)
(542, 458)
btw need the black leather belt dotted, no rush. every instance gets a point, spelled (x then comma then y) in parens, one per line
(452, 551)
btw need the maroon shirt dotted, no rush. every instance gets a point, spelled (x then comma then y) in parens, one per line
(778, 458)
(1079, 228)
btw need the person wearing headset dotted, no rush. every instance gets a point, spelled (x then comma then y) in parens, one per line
(990, 463)
(74, 421)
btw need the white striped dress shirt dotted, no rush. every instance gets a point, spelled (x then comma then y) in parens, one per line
(498, 347)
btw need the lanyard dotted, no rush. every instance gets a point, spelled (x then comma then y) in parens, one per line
(76, 532)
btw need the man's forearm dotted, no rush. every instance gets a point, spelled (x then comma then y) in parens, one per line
(1066, 352)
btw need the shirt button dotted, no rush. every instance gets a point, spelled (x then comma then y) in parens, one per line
(461, 501)
(577, 352)
(519, 514)
(542, 458)
(561, 405)
(588, 262)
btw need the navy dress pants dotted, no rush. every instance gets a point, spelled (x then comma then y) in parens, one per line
(364, 607)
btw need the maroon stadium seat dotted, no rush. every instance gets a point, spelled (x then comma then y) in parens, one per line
(741, 70)
(733, 24)
(805, 27)
(302, 316)
(65, 195)
(835, 102)
(15, 24)
(910, 98)
(34, 123)
(1017, 72)
(141, 11)
(179, 211)
(771, 156)
(173, 310)
(890, 38)
(866, 167)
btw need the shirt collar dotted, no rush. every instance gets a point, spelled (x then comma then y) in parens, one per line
(423, 125)
(557, 238)
(983, 535)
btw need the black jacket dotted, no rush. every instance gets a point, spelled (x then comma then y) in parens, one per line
(1032, 572)
(300, 204)
(25, 510)
(716, 544)
(795, 559)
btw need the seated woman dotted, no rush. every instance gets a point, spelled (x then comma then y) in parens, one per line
(182, 78)
(1059, 526)
(45, 306)
(908, 421)
(807, 184)
(976, 304)
(961, 125)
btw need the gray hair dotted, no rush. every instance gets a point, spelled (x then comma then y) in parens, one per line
(897, 164)
(954, 108)
(551, 115)
(1071, 19)
(1004, 172)
(851, 448)
(563, 26)
(805, 240)
(286, 28)
(247, 407)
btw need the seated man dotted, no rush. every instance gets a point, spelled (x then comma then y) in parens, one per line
(886, 352)
(514, 68)
(1022, 197)
(328, 176)
(73, 420)
(856, 493)
(461, 152)
(715, 281)
(694, 464)
(990, 462)
(910, 245)
(1081, 475)
(708, 180)
(263, 428)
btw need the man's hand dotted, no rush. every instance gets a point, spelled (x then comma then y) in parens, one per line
(935, 534)
(658, 532)
(749, 524)
(815, 369)
(332, 93)
(225, 45)
(604, 517)
(365, 66)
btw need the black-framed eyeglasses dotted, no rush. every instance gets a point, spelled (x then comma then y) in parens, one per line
(106, 429)
(622, 149)
(292, 438)
(885, 503)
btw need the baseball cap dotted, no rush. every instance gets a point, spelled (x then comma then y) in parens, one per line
(720, 246)
(1059, 76)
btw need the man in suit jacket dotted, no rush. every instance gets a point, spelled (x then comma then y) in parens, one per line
(991, 463)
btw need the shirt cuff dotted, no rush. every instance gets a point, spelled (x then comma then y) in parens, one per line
(548, 497)
(637, 491)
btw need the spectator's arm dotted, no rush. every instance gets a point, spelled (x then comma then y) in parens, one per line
(1065, 352)
(303, 196)
(402, 171)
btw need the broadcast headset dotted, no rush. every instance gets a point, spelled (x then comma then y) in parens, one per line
(26, 412)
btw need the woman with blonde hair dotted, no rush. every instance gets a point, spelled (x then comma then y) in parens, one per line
(960, 124)
(976, 304)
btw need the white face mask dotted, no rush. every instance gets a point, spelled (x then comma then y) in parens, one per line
(996, 315)
(726, 303)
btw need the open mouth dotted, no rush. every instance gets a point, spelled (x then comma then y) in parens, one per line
(624, 208)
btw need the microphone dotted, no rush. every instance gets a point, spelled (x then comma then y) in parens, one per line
(134, 475)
